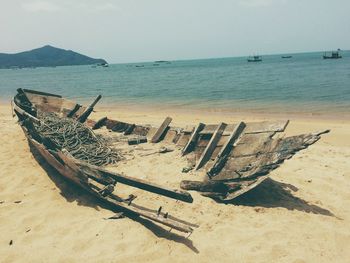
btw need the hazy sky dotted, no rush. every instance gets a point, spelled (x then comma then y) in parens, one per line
(146, 30)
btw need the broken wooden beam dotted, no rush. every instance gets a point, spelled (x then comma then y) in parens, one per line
(220, 159)
(24, 102)
(42, 93)
(211, 145)
(200, 186)
(252, 127)
(137, 140)
(158, 135)
(130, 129)
(83, 117)
(193, 139)
(138, 183)
(169, 221)
(74, 111)
(101, 122)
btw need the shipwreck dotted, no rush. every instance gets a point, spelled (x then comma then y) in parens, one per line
(229, 159)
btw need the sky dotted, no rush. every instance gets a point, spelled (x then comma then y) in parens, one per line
(146, 30)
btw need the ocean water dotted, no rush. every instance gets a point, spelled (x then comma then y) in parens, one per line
(303, 83)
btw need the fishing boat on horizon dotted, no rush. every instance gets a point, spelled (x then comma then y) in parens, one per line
(286, 56)
(333, 55)
(255, 58)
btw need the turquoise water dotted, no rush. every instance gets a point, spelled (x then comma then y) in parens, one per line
(305, 82)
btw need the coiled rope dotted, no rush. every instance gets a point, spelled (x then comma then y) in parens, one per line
(78, 139)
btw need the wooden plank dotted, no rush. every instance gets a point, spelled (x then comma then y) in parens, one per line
(251, 127)
(41, 93)
(157, 136)
(151, 132)
(136, 182)
(101, 122)
(193, 139)
(211, 145)
(140, 130)
(157, 217)
(254, 183)
(111, 198)
(252, 144)
(83, 117)
(221, 158)
(74, 111)
(266, 126)
(47, 103)
(63, 169)
(182, 141)
(170, 136)
(130, 129)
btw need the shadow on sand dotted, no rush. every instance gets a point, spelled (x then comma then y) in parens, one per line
(73, 193)
(271, 193)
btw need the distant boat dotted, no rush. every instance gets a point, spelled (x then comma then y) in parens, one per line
(333, 55)
(162, 61)
(286, 56)
(254, 59)
(103, 64)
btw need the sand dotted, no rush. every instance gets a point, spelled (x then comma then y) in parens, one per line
(300, 214)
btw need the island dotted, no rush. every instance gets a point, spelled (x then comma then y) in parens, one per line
(46, 56)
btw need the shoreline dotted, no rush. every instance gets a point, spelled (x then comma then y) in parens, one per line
(274, 112)
(236, 114)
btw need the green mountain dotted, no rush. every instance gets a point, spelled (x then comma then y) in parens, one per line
(46, 56)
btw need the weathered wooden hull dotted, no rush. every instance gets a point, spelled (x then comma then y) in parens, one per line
(238, 157)
(234, 157)
(95, 180)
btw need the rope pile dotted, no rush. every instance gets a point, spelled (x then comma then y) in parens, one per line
(77, 139)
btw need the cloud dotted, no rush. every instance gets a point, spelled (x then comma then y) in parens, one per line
(40, 6)
(69, 5)
(260, 3)
(106, 7)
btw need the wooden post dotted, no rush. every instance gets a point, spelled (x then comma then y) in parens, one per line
(74, 110)
(156, 137)
(226, 149)
(193, 139)
(83, 117)
(211, 145)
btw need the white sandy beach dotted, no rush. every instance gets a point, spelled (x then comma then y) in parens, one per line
(300, 214)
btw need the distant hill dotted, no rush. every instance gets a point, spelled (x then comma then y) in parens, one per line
(46, 56)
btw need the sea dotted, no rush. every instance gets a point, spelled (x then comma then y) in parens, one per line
(303, 83)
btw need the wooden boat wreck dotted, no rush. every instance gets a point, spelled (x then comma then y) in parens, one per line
(39, 112)
(230, 159)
